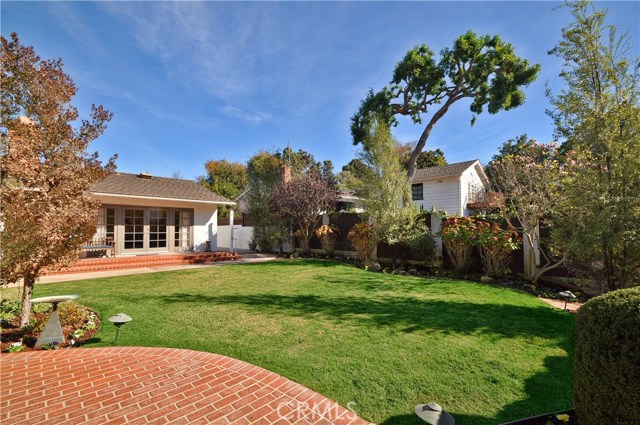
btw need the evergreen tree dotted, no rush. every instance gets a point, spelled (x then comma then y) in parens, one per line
(597, 113)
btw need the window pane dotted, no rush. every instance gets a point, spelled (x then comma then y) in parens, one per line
(416, 192)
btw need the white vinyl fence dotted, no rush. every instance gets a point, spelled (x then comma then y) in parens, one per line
(241, 235)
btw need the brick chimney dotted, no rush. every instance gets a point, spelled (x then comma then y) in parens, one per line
(286, 173)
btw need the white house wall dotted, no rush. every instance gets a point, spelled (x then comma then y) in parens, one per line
(469, 176)
(205, 228)
(441, 194)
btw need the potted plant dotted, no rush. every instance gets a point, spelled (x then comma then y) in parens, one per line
(253, 245)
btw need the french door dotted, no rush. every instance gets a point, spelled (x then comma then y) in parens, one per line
(145, 230)
(134, 230)
(157, 230)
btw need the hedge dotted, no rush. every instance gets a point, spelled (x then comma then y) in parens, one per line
(607, 359)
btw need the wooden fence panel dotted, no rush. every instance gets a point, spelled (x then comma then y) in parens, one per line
(345, 221)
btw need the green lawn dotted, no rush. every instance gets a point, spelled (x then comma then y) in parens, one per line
(387, 343)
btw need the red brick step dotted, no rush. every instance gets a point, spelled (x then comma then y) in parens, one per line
(143, 261)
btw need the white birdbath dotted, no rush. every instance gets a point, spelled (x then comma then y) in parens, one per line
(52, 331)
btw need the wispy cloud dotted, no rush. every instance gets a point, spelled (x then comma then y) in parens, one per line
(218, 48)
(253, 117)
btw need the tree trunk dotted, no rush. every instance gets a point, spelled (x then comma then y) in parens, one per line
(27, 291)
(531, 265)
(393, 256)
(425, 135)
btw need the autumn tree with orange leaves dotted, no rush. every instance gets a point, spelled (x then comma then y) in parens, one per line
(46, 171)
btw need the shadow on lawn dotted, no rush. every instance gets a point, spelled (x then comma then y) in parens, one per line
(548, 390)
(299, 262)
(545, 392)
(406, 313)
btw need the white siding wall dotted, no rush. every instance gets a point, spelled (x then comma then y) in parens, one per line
(442, 194)
(469, 176)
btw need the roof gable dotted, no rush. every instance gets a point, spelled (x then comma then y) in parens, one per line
(144, 185)
(449, 170)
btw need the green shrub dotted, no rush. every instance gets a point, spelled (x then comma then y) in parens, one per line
(423, 243)
(607, 363)
(10, 309)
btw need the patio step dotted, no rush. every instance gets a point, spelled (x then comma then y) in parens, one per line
(145, 261)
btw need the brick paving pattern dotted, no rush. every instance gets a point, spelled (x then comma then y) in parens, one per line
(140, 385)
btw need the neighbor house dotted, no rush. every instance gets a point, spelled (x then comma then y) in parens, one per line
(453, 188)
(450, 188)
(148, 214)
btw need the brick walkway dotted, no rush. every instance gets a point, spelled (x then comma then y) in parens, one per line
(138, 385)
(571, 307)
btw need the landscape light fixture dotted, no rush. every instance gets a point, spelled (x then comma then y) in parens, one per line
(433, 414)
(567, 296)
(119, 320)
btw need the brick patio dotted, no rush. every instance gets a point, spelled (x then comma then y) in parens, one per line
(139, 385)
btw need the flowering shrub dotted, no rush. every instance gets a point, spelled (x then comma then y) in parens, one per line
(457, 234)
(364, 238)
(495, 245)
(302, 240)
(327, 235)
(461, 234)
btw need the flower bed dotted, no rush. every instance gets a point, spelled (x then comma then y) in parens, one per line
(79, 324)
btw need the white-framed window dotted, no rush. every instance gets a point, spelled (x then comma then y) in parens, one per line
(475, 192)
(417, 192)
(182, 229)
(106, 222)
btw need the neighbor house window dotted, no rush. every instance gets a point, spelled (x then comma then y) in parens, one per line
(416, 192)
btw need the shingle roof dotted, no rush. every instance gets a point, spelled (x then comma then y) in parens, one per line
(442, 170)
(156, 187)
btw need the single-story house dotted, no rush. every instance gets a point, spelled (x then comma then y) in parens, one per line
(450, 188)
(148, 214)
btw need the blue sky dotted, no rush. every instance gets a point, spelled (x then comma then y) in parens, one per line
(193, 81)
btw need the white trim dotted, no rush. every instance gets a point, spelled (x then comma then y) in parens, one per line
(162, 199)
(483, 176)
